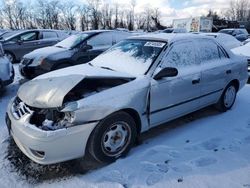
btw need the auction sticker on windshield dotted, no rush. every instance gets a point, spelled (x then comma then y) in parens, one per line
(155, 44)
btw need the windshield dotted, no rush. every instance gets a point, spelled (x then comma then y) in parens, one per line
(72, 41)
(130, 56)
(230, 32)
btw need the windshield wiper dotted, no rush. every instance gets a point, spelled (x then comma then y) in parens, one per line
(107, 68)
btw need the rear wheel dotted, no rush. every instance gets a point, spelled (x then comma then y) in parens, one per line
(227, 98)
(113, 137)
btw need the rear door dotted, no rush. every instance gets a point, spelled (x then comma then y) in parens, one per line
(176, 96)
(216, 70)
(48, 38)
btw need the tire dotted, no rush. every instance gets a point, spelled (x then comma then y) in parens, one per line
(227, 98)
(10, 56)
(112, 138)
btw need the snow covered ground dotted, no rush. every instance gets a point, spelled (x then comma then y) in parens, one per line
(203, 149)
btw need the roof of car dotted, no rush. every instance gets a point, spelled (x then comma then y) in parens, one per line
(168, 37)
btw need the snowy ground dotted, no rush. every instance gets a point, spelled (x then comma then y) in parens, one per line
(204, 149)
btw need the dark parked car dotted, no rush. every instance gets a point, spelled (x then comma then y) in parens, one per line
(240, 34)
(23, 42)
(76, 49)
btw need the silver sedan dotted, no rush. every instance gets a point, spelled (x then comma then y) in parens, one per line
(100, 108)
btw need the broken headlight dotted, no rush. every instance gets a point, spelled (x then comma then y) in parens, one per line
(52, 119)
(60, 123)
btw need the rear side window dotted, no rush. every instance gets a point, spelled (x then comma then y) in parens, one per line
(102, 40)
(222, 53)
(49, 35)
(181, 55)
(208, 50)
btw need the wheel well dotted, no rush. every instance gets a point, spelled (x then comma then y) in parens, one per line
(236, 83)
(134, 114)
(6, 51)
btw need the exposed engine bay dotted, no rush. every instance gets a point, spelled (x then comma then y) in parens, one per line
(53, 118)
(91, 86)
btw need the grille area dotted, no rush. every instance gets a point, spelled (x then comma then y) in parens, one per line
(19, 108)
(248, 61)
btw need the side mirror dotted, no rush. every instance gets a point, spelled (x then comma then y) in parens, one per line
(86, 47)
(166, 72)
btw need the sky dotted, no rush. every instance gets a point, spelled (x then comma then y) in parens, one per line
(172, 9)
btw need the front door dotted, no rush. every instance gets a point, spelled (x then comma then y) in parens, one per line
(176, 96)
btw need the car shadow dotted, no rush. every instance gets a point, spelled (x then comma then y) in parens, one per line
(35, 173)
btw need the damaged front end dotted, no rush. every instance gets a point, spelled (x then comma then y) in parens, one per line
(52, 102)
(45, 119)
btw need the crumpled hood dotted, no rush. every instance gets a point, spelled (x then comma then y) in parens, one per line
(49, 90)
(45, 52)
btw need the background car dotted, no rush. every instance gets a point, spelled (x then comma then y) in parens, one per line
(76, 49)
(239, 34)
(227, 40)
(21, 43)
(6, 70)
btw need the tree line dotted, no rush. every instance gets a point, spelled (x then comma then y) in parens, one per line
(95, 14)
(67, 15)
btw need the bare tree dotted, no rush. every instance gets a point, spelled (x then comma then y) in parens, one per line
(239, 10)
(84, 17)
(69, 15)
(95, 14)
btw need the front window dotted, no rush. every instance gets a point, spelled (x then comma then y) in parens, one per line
(130, 56)
(72, 41)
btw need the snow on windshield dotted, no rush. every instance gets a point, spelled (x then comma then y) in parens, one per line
(130, 56)
(72, 41)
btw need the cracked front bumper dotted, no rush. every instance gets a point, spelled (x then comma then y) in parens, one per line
(48, 147)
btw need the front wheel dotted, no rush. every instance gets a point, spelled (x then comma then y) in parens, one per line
(113, 137)
(227, 98)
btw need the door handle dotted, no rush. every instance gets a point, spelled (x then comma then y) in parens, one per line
(228, 72)
(196, 81)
